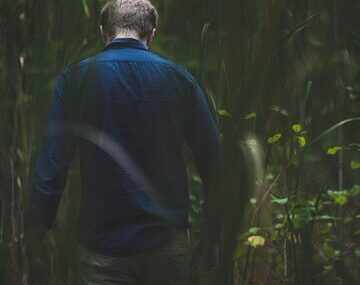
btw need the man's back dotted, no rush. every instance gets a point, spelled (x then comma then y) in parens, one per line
(128, 111)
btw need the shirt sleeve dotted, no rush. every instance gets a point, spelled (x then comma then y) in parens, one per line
(53, 160)
(202, 135)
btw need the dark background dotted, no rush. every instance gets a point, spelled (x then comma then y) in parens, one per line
(266, 65)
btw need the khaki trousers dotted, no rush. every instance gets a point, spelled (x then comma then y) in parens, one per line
(168, 264)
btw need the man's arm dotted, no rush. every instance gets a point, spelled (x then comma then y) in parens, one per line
(51, 168)
(203, 136)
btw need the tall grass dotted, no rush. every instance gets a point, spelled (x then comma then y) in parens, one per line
(268, 68)
(288, 67)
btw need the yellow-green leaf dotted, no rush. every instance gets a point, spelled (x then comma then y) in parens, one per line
(296, 128)
(280, 201)
(256, 241)
(196, 178)
(250, 116)
(254, 230)
(355, 164)
(341, 200)
(301, 141)
(357, 252)
(274, 138)
(223, 112)
(334, 150)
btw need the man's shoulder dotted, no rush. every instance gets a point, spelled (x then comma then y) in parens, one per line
(152, 58)
(75, 66)
(176, 67)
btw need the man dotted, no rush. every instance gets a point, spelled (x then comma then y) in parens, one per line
(128, 112)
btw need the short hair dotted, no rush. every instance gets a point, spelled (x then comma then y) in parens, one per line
(138, 16)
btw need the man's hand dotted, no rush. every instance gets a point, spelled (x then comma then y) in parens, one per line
(205, 257)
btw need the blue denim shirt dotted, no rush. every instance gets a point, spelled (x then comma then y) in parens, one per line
(128, 111)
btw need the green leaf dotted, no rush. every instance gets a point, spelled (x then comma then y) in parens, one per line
(354, 191)
(196, 178)
(296, 128)
(301, 141)
(274, 235)
(341, 200)
(327, 217)
(256, 241)
(357, 252)
(223, 113)
(332, 193)
(250, 116)
(192, 197)
(328, 250)
(254, 230)
(280, 201)
(274, 138)
(279, 226)
(196, 209)
(355, 164)
(334, 150)
(253, 201)
(280, 216)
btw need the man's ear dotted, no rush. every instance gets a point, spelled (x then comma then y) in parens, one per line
(151, 37)
(103, 34)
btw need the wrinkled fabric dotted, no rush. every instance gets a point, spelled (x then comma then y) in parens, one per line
(128, 112)
(167, 264)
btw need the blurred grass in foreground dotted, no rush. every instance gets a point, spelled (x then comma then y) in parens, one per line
(278, 74)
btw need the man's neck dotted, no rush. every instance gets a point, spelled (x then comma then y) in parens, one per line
(127, 36)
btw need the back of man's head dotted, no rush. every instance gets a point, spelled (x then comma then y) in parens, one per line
(128, 17)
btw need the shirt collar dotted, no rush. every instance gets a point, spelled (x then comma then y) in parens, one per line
(126, 43)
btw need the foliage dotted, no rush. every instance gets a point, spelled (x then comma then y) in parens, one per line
(283, 79)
